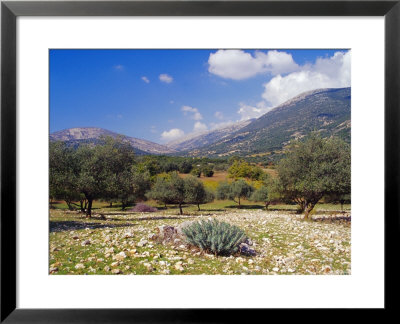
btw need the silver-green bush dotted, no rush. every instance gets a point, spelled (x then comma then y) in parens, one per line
(215, 237)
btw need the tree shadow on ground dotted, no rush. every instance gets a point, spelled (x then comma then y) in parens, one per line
(133, 219)
(210, 210)
(245, 207)
(282, 209)
(342, 218)
(61, 226)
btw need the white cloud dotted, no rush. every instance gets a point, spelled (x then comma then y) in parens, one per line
(165, 78)
(214, 126)
(239, 65)
(248, 112)
(330, 72)
(119, 67)
(219, 115)
(145, 79)
(172, 134)
(194, 111)
(199, 127)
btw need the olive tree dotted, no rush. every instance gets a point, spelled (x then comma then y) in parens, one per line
(314, 168)
(262, 195)
(105, 170)
(196, 193)
(63, 173)
(234, 191)
(169, 189)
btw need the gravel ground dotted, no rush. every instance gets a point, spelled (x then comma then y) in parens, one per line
(122, 244)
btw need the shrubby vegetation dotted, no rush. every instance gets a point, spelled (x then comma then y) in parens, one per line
(241, 169)
(172, 189)
(234, 191)
(215, 237)
(143, 208)
(312, 169)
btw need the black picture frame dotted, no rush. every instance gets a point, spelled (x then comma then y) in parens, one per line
(10, 10)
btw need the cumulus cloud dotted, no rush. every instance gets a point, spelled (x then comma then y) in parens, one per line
(219, 115)
(199, 127)
(119, 67)
(330, 72)
(214, 126)
(165, 78)
(172, 134)
(195, 114)
(248, 111)
(239, 65)
(145, 79)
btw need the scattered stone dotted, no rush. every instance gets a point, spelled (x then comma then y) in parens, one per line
(248, 242)
(142, 243)
(246, 249)
(116, 271)
(53, 269)
(80, 266)
(87, 242)
(326, 269)
(110, 250)
(178, 266)
(128, 235)
(120, 256)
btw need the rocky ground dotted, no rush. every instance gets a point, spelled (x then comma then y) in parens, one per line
(125, 243)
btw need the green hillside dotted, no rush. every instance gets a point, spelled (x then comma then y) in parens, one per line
(325, 110)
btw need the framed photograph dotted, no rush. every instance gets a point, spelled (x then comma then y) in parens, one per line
(163, 158)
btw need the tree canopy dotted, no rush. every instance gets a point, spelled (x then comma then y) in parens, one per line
(314, 168)
(234, 191)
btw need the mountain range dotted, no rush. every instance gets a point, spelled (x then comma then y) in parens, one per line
(324, 110)
(327, 111)
(77, 136)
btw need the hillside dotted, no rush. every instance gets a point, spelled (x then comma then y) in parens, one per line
(324, 110)
(76, 136)
(206, 138)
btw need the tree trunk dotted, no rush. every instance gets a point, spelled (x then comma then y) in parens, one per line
(111, 204)
(266, 205)
(239, 202)
(82, 207)
(180, 209)
(89, 208)
(198, 206)
(69, 205)
(308, 208)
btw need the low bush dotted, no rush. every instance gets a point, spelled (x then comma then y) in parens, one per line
(215, 237)
(207, 171)
(143, 208)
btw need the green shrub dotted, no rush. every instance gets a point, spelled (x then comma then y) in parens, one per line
(215, 237)
(196, 172)
(207, 171)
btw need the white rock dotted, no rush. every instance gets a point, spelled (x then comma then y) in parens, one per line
(79, 266)
(116, 271)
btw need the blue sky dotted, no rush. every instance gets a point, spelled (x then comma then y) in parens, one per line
(164, 95)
